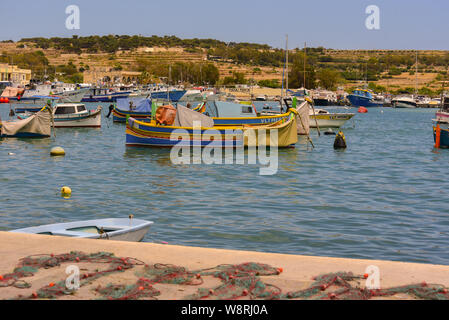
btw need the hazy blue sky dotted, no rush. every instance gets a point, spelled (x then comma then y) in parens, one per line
(404, 24)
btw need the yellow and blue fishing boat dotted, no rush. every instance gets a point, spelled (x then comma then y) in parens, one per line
(148, 133)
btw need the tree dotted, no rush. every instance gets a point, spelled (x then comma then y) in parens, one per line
(329, 78)
(296, 75)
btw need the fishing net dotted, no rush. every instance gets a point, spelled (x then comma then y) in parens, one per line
(237, 281)
(142, 289)
(30, 265)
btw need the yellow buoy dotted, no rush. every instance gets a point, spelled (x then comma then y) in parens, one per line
(57, 151)
(66, 192)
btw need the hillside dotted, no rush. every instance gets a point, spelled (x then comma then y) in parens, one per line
(385, 70)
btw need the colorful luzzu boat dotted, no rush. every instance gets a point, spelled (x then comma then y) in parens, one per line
(441, 127)
(136, 108)
(150, 134)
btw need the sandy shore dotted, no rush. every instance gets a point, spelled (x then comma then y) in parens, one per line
(297, 274)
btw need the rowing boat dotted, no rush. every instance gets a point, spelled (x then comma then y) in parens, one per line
(121, 229)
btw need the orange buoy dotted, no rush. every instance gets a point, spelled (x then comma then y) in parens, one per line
(437, 136)
(363, 110)
(366, 275)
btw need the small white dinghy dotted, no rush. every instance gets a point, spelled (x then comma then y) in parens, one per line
(121, 229)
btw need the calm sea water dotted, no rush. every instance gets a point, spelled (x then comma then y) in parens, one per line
(384, 197)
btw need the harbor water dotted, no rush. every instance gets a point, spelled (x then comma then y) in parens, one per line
(384, 197)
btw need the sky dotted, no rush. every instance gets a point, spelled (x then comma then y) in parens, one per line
(337, 24)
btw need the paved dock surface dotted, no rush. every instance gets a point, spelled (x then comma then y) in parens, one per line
(298, 271)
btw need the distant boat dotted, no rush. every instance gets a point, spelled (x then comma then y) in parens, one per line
(171, 95)
(442, 124)
(364, 98)
(74, 115)
(404, 102)
(325, 119)
(104, 95)
(38, 125)
(112, 229)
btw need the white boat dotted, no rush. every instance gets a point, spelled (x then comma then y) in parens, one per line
(325, 119)
(121, 229)
(73, 115)
(404, 102)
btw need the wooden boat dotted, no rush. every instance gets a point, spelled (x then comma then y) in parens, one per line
(325, 119)
(74, 115)
(136, 108)
(150, 134)
(38, 125)
(121, 229)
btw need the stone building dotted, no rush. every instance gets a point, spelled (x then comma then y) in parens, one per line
(14, 74)
(110, 76)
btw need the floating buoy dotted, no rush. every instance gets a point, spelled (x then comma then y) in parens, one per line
(340, 141)
(57, 151)
(362, 110)
(11, 153)
(6, 100)
(66, 192)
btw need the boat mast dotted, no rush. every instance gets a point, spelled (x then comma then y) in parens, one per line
(304, 67)
(286, 59)
(416, 74)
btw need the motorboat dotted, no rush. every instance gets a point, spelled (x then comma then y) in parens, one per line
(326, 119)
(403, 102)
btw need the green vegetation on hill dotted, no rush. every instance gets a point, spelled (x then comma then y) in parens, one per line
(325, 68)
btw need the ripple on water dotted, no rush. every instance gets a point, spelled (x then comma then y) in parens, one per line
(384, 197)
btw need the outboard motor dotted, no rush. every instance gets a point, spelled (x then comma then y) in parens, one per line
(111, 107)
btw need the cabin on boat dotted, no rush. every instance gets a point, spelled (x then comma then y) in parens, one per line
(70, 108)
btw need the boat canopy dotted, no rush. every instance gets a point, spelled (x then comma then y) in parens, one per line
(225, 109)
(134, 104)
(186, 117)
(38, 124)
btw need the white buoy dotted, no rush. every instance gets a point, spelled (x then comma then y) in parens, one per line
(57, 151)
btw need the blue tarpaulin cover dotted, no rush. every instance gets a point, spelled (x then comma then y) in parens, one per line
(137, 104)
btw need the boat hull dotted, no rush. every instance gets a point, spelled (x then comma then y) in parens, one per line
(104, 98)
(174, 95)
(333, 120)
(404, 104)
(121, 115)
(444, 135)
